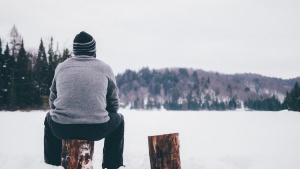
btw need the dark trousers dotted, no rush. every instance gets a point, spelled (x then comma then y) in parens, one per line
(112, 131)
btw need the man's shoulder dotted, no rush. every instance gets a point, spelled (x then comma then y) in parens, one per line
(101, 62)
(104, 65)
(62, 64)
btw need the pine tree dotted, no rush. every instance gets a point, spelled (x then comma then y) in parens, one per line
(5, 78)
(12, 95)
(232, 103)
(1, 57)
(286, 101)
(294, 102)
(195, 78)
(297, 102)
(11, 85)
(66, 55)
(56, 57)
(41, 67)
(24, 83)
(37, 101)
(192, 102)
(51, 64)
(1, 76)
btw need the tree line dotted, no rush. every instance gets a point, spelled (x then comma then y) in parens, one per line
(25, 77)
(291, 102)
(264, 104)
(172, 90)
(183, 89)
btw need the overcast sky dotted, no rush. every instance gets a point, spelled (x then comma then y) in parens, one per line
(227, 36)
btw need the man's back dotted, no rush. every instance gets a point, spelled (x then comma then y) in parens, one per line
(85, 87)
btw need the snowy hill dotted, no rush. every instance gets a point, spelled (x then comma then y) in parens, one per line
(208, 139)
(195, 89)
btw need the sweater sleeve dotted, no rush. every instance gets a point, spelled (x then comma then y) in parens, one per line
(112, 97)
(53, 94)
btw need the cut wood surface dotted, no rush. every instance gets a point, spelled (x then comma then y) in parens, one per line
(77, 154)
(164, 151)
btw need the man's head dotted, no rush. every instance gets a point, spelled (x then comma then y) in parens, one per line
(84, 44)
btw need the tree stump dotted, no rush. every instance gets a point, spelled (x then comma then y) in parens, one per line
(77, 154)
(164, 151)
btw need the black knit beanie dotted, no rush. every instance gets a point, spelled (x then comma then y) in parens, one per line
(84, 44)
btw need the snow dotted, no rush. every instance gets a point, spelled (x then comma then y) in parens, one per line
(85, 149)
(208, 139)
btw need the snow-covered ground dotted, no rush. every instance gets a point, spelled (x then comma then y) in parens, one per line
(208, 139)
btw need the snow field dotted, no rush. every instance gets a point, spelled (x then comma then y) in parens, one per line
(208, 139)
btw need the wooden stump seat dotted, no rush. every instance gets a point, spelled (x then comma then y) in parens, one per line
(77, 154)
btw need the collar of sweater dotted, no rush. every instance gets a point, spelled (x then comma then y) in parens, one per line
(82, 56)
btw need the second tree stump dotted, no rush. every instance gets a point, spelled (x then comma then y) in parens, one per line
(164, 151)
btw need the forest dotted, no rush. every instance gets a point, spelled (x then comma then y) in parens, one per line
(25, 79)
(189, 89)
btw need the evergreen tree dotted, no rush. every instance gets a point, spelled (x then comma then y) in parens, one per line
(5, 78)
(274, 104)
(183, 72)
(66, 55)
(1, 57)
(146, 75)
(12, 99)
(297, 103)
(232, 104)
(1, 76)
(286, 101)
(193, 103)
(41, 67)
(294, 98)
(37, 101)
(196, 86)
(51, 65)
(208, 80)
(11, 86)
(56, 57)
(206, 103)
(222, 106)
(195, 78)
(24, 82)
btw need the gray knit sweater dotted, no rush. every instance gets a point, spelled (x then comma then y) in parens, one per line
(83, 91)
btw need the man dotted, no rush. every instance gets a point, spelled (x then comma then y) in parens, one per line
(84, 105)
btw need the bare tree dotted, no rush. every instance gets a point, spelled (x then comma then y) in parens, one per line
(15, 41)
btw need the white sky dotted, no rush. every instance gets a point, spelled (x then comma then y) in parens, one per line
(228, 36)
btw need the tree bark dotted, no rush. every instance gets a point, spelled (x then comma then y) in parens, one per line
(164, 151)
(77, 154)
